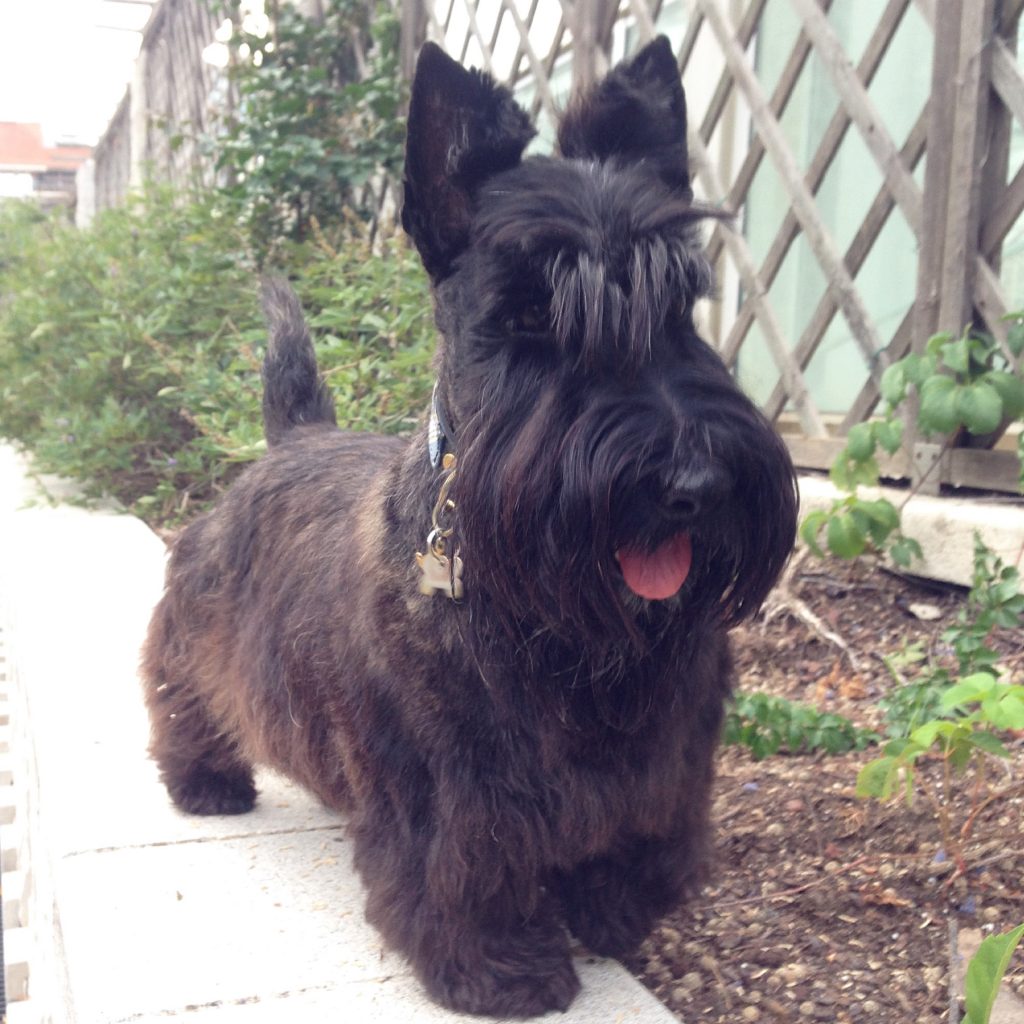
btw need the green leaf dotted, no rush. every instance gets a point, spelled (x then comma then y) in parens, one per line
(904, 550)
(989, 743)
(844, 536)
(889, 434)
(811, 527)
(985, 973)
(956, 355)
(1015, 335)
(893, 385)
(1010, 387)
(925, 735)
(937, 342)
(919, 368)
(979, 407)
(41, 330)
(972, 688)
(878, 778)
(860, 442)
(938, 412)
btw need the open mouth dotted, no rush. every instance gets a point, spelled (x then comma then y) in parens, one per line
(659, 574)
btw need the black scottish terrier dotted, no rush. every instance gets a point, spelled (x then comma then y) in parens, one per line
(501, 648)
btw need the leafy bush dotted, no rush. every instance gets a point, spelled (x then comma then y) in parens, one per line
(964, 386)
(129, 353)
(318, 115)
(768, 724)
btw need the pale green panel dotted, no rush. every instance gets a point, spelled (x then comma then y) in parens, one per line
(758, 373)
(780, 26)
(797, 288)
(1012, 274)
(848, 189)
(767, 204)
(902, 83)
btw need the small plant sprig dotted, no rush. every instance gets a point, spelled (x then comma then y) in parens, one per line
(767, 724)
(963, 385)
(954, 716)
(985, 972)
(979, 706)
(994, 602)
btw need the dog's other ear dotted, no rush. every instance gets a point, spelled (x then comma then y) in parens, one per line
(637, 113)
(463, 128)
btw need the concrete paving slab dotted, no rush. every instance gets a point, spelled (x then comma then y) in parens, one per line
(136, 912)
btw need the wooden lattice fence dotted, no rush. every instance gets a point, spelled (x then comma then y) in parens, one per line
(175, 99)
(798, 315)
(947, 178)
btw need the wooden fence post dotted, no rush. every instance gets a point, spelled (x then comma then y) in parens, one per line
(413, 34)
(591, 21)
(958, 138)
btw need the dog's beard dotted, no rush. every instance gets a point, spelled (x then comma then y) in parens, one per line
(562, 532)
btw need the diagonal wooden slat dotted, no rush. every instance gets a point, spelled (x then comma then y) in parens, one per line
(1002, 216)
(644, 21)
(744, 33)
(780, 98)
(854, 257)
(866, 401)
(694, 23)
(756, 295)
(474, 32)
(541, 75)
(820, 162)
(990, 301)
(862, 110)
(1008, 80)
(818, 236)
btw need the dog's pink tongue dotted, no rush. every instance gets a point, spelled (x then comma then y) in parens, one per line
(659, 574)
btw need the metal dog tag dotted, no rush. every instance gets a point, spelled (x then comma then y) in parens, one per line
(439, 572)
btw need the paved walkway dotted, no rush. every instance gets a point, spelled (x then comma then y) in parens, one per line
(118, 907)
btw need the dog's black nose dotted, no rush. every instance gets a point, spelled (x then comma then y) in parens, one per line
(691, 491)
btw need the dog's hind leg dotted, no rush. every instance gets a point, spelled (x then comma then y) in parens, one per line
(200, 765)
(201, 768)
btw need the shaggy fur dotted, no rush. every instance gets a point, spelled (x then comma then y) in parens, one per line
(538, 754)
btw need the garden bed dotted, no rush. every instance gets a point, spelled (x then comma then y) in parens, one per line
(824, 906)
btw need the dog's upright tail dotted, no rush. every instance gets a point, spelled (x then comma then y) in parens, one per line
(293, 392)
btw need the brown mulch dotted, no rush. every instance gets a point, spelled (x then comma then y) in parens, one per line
(823, 906)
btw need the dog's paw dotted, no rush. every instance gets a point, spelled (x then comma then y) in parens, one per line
(521, 974)
(205, 791)
(505, 989)
(611, 933)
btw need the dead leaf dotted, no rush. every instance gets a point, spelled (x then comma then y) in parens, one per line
(877, 895)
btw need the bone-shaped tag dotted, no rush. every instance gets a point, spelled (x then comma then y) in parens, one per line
(439, 575)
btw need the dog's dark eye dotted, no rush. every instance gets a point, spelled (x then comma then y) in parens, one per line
(529, 320)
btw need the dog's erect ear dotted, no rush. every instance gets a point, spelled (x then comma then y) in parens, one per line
(463, 128)
(637, 113)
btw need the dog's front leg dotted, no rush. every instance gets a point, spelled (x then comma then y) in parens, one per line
(612, 902)
(465, 908)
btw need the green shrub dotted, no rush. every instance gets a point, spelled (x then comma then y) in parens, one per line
(767, 724)
(318, 116)
(129, 353)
